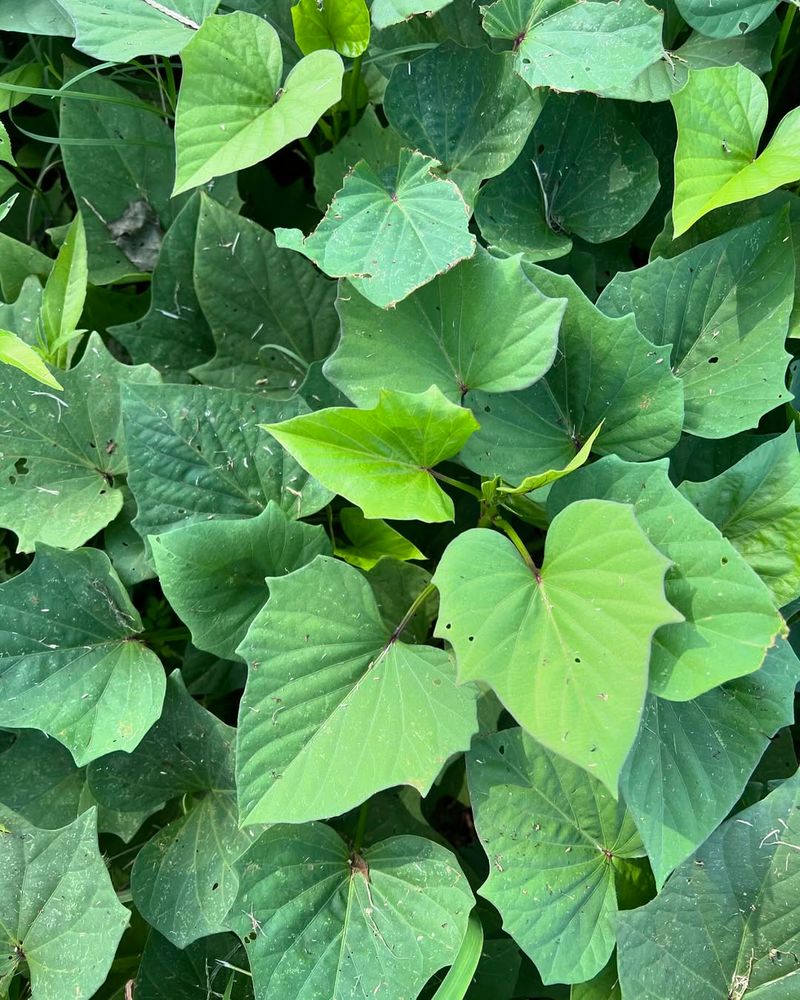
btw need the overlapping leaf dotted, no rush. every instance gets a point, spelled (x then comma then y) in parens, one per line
(725, 18)
(369, 541)
(342, 25)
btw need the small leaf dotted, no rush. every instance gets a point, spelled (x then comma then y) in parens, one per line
(531, 483)
(342, 25)
(65, 291)
(372, 540)
(16, 352)
(382, 459)
(6, 152)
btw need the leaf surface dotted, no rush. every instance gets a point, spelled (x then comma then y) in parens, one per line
(342, 25)
(369, 541)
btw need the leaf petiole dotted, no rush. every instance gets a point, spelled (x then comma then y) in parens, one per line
(416, 604)
(465, 487)
(519, 545)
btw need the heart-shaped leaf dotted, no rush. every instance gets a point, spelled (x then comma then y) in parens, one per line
(342, 25)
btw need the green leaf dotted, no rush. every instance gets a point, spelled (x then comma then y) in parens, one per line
(604, 986)
(6, 152)
(439, 335)
(62, 455)
(456, 983)
(531, 483)
(723, 310)
(572, 46)
(557, 844)
(389, 232)
(18, 264)
(342, 25)
(371, 540)
(730, 620)
(721, 113)
(693, 759)
(756, 504)
(586, 171)
(198, 453)
(213, 572)
(523, 630)
(170, 973)
(65, 291)
(605, 371)
(319, 921)
(60, 914)
(725, 18)
(398, 585)
(120, 30)
(737, 897)
(271, 312)
(70, 660)
(336, 708)
(233, 110)
(39, 781)
(388, 12)
(466, 108)
(382, 459)
(14, 351)
(35, 17)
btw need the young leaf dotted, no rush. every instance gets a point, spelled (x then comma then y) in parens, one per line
(382, 459)
(523, 630)
(481, 326)
(62, 455)
(756, 504)
(389, 233)
(371, 540)
(342, 25)
(6, 152)
(557, 842)
(213, 573)
(692, 759)
(531, 483)
(723, 310)
(336, 707)
(61, 916)
(198, 452)
(70, 660)
(732, 949)
(233, 110)
(318, 920)
(14, 351)
(721, 113)
(65, 293)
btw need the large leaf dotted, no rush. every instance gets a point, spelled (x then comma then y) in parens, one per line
(70, 662)
(730, 619)
(605, 371)
(318, 920)
(466, 108)
(570, 46)
(234, 109)
(35, 17)
(59, 913)
(556, 843)
(60, 455)
(336, 706)
(271, 312)
(586, 171)
(482, 326)
(342, 25)
(756, 504)
(198, 453)
(693, 759)
(213, 572)
(725, 925)
(120, 30)
(389, 232)
(723, 310)
(523, 630)
(721, 113)
(382, 459)
(725, 18)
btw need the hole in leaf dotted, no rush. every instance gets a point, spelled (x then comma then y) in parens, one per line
(577, 659)
(501, 750)
(724, 560)
(540, 148)
(21, 465)
(714, 360)
(471, 638)
(215, 886)
(743, 26)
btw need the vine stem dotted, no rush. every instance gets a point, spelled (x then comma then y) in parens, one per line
(780, 46)
(416, 604)
(355, 79)
(361, 826)
(458, 485)
(519, 545)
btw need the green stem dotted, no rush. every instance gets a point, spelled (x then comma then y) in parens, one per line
(458, 485)
(308, 148)
(416, 604)
(172, 90)
(164, 634)
(355, 79)
(361, 826)
(780, 47)
(421, 47)
(519, 545)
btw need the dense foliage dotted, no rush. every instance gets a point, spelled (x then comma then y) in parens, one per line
(399, 500)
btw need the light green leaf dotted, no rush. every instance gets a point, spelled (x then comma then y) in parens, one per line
(389, 233)
(335, 923)
(481, 326)
(692, 759)
(572, 46)
(213, 573)
(556, 842)
(723, 310)
(6, 152)
(586, 171)
(604, 986)
(120, 30)
(382, 459)
(65, 291)
(61, 455)
(342, 25)
(388, 12)
(233, 110)
(170, 973)
(35, 17)
(21, 316)
(456, 983)
(198, 453)
(271, 312)
(522, 630)
(466, 108)
(70, 662)
(372, 540)
(756, 504)
(330, 684)
(59, 913)
(737, 898)
(531, 483)
(16, 352)
(24, 75)
(730, 620)
(721, 113)
(605, 371)
(725, 18)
